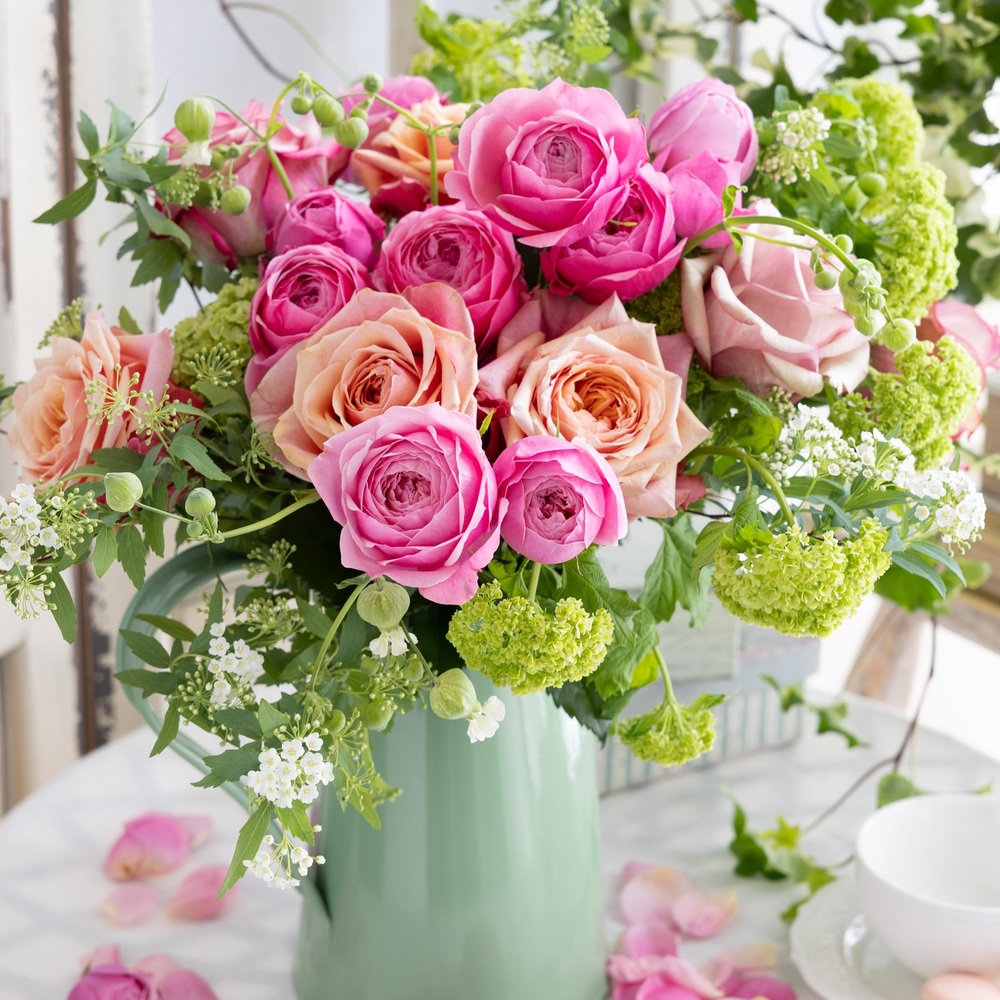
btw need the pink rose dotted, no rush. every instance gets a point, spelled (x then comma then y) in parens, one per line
(759, 316)
(631, 255)
(396, 167)
(604, 382)
(465, 250)
(300, 290)
(327, 216)
(706, 116)
(562, 497)
(114, 982)
(551, 166)
(307, 160)
(381, 350)
(697, 196)
(53, 433)
(416, 497)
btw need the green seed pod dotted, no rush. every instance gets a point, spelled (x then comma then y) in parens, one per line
(195, 118)
(236, 200)
(865, 325)
(199, 502)
(853, 197)
(360, 111)
(377, 715)
(453, 696)
(217, 160)
(844, 242)
(328, 111)
(453, 134)
(826, 280)
(897, 335)
(413, 671)
(372, 83)
(382, 604)
(336, 721)
(351, 133)
(302, 103)
(872, 184)
(122, 490)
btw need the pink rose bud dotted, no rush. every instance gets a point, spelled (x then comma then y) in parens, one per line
(151, 845)
(197, 897)
(697, 195)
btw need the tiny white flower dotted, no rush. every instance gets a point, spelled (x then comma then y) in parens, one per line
(197, 154)
(292, 749)
(217, 629)
(240, 648)
(314, 742)
(485, 721)
(269, 759)
(219, 646)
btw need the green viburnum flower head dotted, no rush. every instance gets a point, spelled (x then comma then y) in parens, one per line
(891, 111)
(660, 306)
(672, 733)
(800, 585)
(517, 643)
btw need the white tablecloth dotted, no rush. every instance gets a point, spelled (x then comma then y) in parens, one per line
(52, 845)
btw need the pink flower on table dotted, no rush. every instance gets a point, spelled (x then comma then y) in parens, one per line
(151, 844)
(562, 497)
(759, 316)
(551, 166)
(53, 432)
(308, 161)
(666, 977)
(604, 382)
(416, 498)
(705, 115)
(326, 216)
(635, 251)
(197, 897)
(464, 249)
(381, 350)
(698, 185)
(299, 292)
(129, 904)
(112, 981)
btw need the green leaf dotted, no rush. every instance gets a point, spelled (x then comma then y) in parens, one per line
(830, 720)
(63, 607)
(192, 451)
(915, 565)
(132, 554)
(87, 131)
(241, 721)
(149, 681)
(105, 550)
(251, 834)
(168, 731)
(295, 820)
(158, 223)
(894, 786)
(704, 548)
(752, 855)
(146, 647)
(72, 205)
(127, 322)
(117, 459)
(270, 718)
(169, 626)
(231, 765)
(313, 618)
(745, 10)
(670, 578)
(159, 259)
(121, 171)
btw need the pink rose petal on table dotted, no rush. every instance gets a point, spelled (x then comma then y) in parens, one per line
(197, 828)
(129, 904)
(659, 988)
(651, 896)
(114, 982)
(760, 988)
(960, 986)
(183, 984)
(700, 914)
(197, 897)
(105, 954)
(653, 937)
(152, 844)
(633, 869)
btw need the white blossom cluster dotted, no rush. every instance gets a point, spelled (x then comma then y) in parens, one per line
(292, 775)
(273, 863)
(23, 527)
(792, 156)
(959, 512)
(235, 667)
(810, 445)
(886, 459)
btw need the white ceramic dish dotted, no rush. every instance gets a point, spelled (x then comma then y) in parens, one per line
(838, 957)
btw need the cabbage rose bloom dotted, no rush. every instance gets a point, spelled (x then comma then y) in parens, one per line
(705, 115)
(381, 350)
(551, 166)
(53, 432)
(416, 498)
(463, 249)
(603, 381)
(562, 497)
(760, 317)
(636, 251)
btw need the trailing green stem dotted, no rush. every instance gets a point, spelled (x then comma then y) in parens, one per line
(751, 463)
(536, 572)
(337, 622)
(311, 497)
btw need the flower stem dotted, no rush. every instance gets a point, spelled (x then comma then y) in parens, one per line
(328, 640)
(751, 463)
(536, 572)
(311, 497)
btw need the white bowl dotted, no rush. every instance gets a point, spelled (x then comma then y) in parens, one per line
(928, 871)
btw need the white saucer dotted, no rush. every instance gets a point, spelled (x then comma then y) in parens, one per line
(838, 956)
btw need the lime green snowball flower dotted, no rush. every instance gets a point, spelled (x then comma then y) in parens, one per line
(518, 644)
(801, 585)
(895, 118)
(671, 733)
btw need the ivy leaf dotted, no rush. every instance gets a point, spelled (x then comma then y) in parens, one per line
(251, 834)
(72, 205)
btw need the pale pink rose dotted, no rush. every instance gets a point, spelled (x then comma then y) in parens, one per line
(697, 196)
(399, 157)
(299, 292)
(53, 432)
(129, 904)
(308, 161)
(381, 350)
(114, 982)
(551, 166)
(464, 249)
(759, 316)
(327, 216)
(197, 897)
(416, 498)
(562, 497)
(151, 844)
(604, 382)
(704, 116)
(632, 254)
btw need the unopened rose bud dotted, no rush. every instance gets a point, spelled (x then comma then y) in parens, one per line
(122, 490)
(199, 502)
(382, 604)
(372, 83)
(235, 200)
(328, 111)
(453, 696)
(351, 133)
(195, 118)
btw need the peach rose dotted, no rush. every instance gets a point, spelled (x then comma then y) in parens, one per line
(380, 350)
(396, 168)
(603, 381)
(53, 433)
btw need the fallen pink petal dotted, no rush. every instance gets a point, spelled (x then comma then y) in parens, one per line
(197, 828)
(151, 844)
(759, 988)
(105, 954)
(699, 914)
(652, 894)
(130, 904)
(196, 897)
(183, 984)
(652, 937)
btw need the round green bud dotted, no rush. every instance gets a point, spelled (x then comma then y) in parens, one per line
(853, 197)
(195, 118)
(302, 104)
(122, 490)
(235, 200)
(327, 110)
(412, 671)
(351, 133)
(453, 696)
(453, 134)
(336, 721)
(199, 502)
(865, 325)
(872, 184)
(473, 108)
(372, 83)
(217, 160)
(844, 181)
(826, 280)
(897, 334)
(377, 714)
(848, 287)
(383, 603)
(844, 242)
(360, 111)
(767, 133)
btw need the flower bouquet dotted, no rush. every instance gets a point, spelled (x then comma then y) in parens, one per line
(455, 350)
